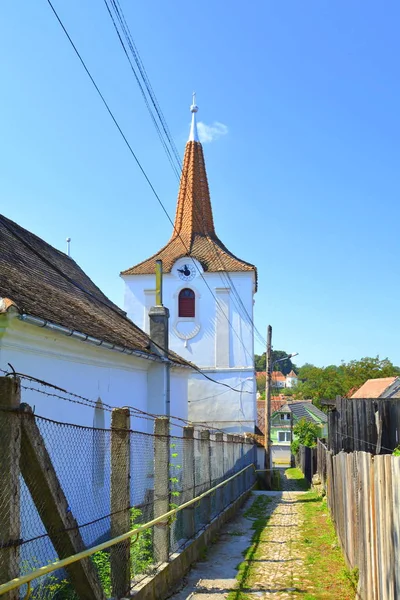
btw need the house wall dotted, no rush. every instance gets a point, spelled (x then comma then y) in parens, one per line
(81, 456)
(291, 382)
(223, 352)
(221, 407)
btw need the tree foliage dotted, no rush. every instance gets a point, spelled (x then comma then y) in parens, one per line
(306, 434)
(285, 366)
(327, 382)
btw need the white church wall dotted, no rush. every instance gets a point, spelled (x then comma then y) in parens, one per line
(220, 406)
(202, 348)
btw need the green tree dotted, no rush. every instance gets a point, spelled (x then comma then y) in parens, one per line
(306, 434)
(317, 383)
(261, 383)
(285, 366)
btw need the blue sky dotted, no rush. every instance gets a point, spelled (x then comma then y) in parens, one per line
(304, 182)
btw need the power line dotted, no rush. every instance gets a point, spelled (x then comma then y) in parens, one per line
(108, 305)
(145, 176)
(128, 36)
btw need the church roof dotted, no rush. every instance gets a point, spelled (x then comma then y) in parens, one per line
(194, 232)
(43, 282)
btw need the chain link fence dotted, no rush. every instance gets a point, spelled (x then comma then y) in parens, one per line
(76, 487)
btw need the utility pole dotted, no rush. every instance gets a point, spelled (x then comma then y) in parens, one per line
(267, 426)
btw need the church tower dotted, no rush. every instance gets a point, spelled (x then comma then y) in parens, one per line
(209, 293)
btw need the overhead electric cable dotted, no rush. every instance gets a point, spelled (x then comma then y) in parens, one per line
(126, 31)
(147, 179)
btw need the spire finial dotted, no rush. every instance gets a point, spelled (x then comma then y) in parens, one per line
(194, 136)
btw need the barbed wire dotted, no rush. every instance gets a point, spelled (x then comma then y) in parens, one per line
(79, 399)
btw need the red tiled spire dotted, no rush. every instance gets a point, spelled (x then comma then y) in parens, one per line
(194, 232)
(193, 211)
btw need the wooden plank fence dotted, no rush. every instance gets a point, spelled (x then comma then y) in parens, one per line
(363, 494)
(363, 424)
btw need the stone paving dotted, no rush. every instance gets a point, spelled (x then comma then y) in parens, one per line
(276, 567)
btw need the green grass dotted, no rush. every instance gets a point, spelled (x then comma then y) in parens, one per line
(327, 574)
(296, 475)
(326, 571)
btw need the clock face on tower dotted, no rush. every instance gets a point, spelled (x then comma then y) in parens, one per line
(187, 272)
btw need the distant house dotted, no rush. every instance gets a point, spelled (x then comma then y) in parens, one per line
(291, 379)
(278, 379)
(282, 414)
(382, 387)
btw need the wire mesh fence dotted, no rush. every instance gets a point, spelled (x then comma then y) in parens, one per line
(75, 487)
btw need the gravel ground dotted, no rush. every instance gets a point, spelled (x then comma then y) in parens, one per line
(277, 570)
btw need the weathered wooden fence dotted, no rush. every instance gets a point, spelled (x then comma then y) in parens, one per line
(363, 424)
(306, 460)
(363, 494)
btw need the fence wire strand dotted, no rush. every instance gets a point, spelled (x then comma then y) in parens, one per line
(80, 459)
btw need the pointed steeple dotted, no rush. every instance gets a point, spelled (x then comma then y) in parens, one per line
(193, 211)
(194, 232)
(194, 136)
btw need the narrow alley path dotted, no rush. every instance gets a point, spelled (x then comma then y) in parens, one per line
(263, 553)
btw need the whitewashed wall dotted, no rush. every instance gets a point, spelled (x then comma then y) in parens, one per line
(93, 372)
(223, 352)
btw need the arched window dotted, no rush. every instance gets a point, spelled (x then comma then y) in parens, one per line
(186, 303)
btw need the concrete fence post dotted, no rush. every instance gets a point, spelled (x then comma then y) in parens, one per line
(230, 448)
(161, 487)
(120, 500)
(242, 465)
(10, 451)
(206, 466)
(219, 459)
(188, 482)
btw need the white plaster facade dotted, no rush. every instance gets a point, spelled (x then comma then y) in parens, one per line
(91, 371)
(81, 456)
(291, 381)
(218, 340)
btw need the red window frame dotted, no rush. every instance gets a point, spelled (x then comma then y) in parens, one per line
(186, 303)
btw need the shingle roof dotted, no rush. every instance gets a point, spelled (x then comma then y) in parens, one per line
(194, 232)
(306, 410)
(374, 388)
(44, 282)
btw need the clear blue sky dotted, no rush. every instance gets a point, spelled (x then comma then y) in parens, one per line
(305, 183)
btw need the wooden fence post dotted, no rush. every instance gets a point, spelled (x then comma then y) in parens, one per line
(10, 450)
(120, 501)
(205, 462)
(188, 481)
(161, 487)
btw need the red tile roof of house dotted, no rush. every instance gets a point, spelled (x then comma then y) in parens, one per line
(194, 232)
(278, 376)
(292, 374)
(374, 388)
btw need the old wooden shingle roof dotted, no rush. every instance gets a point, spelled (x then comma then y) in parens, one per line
(43, 282)
(194, 232)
